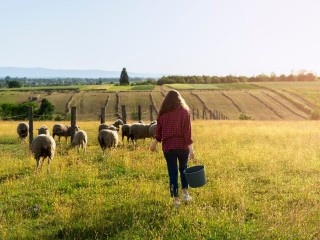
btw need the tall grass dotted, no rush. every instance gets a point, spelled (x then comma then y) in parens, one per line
(262, 183)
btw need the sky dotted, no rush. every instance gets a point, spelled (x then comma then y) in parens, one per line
(172, 37)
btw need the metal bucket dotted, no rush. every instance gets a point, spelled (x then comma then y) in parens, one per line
(196, 176)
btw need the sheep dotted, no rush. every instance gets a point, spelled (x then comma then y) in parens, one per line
(107, 139)
(80, 139)
(23, 131)
(43, 146)
(152, 130)
(106, 126)
(116, 124)
(139, 131)
(125, 131)
(43, 130)
(62, 130)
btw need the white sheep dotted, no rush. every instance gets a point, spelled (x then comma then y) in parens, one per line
(80, 139)
(23, 131)
(43, 130)
(43, 146)
(62, 130)
(107, 139)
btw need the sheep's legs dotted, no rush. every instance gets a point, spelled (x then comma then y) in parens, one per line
(38, 163)
(49, 160)
(37, 166)
(42, 162)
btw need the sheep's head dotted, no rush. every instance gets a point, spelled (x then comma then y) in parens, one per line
(43, 130)
(118, 122)
(113, 128)
(103, 126)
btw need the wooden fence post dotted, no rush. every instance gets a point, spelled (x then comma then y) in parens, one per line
(193, 114)
(151, 113)
(30, 114)
(139, 112)
(73, 121)
(124, 114)
(198, 113)
(103, 115)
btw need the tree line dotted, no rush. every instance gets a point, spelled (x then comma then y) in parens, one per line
(16, 82)
(125, 80)
(300, 77)
(19, 111)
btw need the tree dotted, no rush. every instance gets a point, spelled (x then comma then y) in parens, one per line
(124, 78)
(14, 84)
(46, 110)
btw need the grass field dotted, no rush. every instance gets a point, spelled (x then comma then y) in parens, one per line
(14, 97)
(262, 183)
(132, 88)
(290, 85)
(211, 86)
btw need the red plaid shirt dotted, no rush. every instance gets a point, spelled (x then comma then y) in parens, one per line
(174, 130)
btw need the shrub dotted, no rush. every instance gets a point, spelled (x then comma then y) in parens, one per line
(58, 117)
(15, 111)
(135, 115)
(244, 116)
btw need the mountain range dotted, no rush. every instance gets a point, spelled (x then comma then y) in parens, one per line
(39, 72)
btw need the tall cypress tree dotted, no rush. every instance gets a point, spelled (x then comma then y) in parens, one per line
(124, 78)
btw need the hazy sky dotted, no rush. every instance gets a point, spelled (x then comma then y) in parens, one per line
(200, 37)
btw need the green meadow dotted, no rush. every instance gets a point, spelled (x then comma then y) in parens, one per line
(262, 183)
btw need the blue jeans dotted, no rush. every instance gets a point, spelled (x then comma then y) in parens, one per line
(171, 157)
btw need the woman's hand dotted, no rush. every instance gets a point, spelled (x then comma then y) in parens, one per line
(191, 153)
(153, 145)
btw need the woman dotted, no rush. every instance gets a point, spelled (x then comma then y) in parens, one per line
(174, 132)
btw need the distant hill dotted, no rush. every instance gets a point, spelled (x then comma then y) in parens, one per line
(63, 73)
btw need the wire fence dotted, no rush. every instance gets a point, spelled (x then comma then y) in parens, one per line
(196, 114)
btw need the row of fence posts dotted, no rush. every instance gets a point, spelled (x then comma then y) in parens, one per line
(208, 114)
(124, 114)
(73, 122)
(195, 114)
